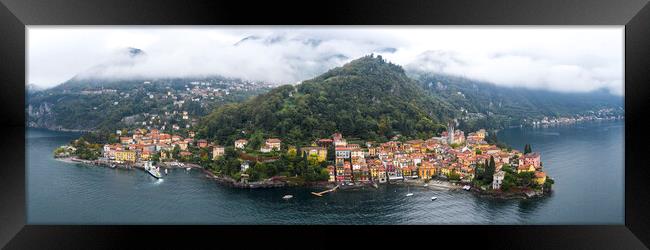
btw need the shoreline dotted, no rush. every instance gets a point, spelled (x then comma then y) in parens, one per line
(283, 181)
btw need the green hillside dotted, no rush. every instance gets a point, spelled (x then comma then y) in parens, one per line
(367, 98)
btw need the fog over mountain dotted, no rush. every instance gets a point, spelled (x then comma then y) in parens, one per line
(559, 59)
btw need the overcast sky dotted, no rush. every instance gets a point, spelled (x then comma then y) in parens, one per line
(556, 58)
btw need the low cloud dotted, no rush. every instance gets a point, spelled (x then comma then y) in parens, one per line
(562, 59)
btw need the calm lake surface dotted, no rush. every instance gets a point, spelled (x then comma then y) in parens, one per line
(586, 160)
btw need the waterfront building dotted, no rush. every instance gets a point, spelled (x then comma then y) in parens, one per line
(125, 156)
(531, 159)
(497, 179)
(540, 177)
(426, 171)
(332, 175)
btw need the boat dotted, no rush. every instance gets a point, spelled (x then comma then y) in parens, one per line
(286, 197)
(409, 192)
(155, 172)
(434, 198)
(466, 187)
(166, 172)
(426, 185)
(188, 169)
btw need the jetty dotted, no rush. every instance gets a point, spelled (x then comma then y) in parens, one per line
(319, 194)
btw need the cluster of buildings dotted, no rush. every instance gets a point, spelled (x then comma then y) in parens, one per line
(143, 144)
(451, 153)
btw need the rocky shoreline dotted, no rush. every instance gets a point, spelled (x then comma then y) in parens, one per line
(510, 195)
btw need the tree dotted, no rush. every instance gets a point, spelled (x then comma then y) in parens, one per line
(176, 152)
(256, 140)
(330, 153)
(479, 171)
(527, 149)
(489, 170)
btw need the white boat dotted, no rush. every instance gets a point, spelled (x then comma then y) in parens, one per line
(466, 187)
(166, 172)
(426, 185)
(153, 171)
(434, 198)
(286, 197)
(409, 192)
(188, 169)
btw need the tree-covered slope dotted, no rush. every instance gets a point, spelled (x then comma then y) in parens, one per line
(491, 106)
(367, 98)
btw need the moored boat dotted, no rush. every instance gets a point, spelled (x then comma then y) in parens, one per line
(153, 171)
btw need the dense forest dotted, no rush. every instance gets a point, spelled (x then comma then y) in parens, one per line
(368, 98)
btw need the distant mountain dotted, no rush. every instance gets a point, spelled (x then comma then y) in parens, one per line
(367, 98)
(33, 88)
(485, 104)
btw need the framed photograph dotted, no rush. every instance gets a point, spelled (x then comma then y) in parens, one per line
(351, 124)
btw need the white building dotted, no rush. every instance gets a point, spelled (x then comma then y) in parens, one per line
(244, 165)
(497, 179)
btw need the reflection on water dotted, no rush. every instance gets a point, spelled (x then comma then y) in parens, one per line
(586, 163)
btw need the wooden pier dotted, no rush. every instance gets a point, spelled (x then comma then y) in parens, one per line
(326, 191)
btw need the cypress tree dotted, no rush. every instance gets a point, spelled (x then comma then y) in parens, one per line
(489, 169)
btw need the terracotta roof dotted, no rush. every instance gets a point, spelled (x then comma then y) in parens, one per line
(273, 140)
(524, 167)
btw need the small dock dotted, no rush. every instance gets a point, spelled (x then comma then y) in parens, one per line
(319, 194)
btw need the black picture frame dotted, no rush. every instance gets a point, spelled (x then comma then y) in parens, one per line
(16, 14)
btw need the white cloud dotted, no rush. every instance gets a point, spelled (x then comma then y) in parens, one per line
(557, 58)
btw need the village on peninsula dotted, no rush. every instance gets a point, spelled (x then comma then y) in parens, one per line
(451, 160)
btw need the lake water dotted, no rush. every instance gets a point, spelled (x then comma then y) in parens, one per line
(586, 160)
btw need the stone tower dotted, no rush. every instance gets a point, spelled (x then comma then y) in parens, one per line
(450, 132)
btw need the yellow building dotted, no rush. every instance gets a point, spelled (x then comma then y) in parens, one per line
(145, 155)
(426, 171)
(540, 177)
(125, 156)
(320, 152)
(525, 168)
(446, 170)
